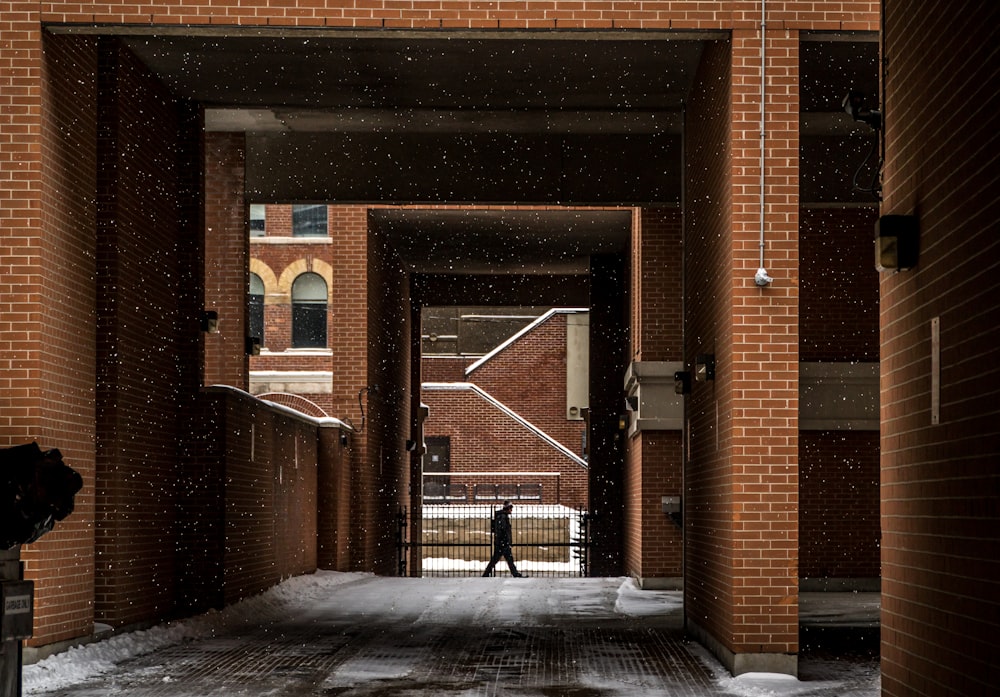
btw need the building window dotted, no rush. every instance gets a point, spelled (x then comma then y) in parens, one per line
(309, 311)
(257, 219)
(309, 221)
(256, 300)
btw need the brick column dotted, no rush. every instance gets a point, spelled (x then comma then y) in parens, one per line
(653, 461)
(226, 253)
(741, 583)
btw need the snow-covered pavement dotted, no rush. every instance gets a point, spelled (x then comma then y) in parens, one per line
(355, 635)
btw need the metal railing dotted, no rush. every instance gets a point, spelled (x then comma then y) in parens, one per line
(456, 540)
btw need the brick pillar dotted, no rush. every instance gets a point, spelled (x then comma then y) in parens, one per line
(741, 578)
(47, 294)
(653, 460)
(226, 242)
(349, 343)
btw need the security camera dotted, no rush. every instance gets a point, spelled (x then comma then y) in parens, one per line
(854, 104)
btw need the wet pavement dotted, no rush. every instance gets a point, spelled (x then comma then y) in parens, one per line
(464, 637)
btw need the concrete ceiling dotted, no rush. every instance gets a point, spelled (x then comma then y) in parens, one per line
(473, 117)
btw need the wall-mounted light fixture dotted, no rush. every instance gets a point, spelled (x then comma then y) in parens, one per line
(671, 505)
(856, 105)
(704, 367)
(897, 242)
(682, 382)
(252, 345)
(210, 321)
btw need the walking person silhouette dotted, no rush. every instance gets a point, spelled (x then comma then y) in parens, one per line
(502, 541)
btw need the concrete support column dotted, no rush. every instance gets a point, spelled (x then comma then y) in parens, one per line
(741, 477)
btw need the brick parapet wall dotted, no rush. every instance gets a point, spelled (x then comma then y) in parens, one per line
(252, 512)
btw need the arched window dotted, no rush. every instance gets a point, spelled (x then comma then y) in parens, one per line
(309, 311)
(256, 301)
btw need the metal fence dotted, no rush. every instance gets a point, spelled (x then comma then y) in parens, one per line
(456, 540)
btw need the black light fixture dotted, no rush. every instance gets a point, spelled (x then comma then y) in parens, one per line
(897, 242)
(704, 367)
(682, 382)
(856, 105)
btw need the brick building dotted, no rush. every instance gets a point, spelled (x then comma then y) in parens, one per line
(683, 170)
(511, 424)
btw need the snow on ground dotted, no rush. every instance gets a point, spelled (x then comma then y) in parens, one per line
(82, 662)
(447, 600)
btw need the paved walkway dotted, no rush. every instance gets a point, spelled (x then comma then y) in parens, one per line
(375, 637)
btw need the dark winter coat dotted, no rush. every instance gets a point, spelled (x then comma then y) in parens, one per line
(501, 528)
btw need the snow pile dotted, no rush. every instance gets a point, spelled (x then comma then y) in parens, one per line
(634, 602)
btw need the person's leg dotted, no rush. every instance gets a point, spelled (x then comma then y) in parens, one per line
(493, 562)
(509, 556)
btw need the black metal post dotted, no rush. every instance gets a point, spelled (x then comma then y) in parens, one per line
(13, 616)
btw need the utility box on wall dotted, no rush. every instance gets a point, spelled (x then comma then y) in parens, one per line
(17, 610)
(650, 392)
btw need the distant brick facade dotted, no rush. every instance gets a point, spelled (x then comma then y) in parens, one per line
(529, 378)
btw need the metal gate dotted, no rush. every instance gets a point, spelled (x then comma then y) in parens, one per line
(456, 540)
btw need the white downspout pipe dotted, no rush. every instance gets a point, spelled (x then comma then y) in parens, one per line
(761, 278)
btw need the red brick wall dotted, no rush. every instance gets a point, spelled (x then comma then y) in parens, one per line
(142, 326)
(226, 259)
(708, 593)
(333, 502)
(463, 14)
(443, 369)
(657, 285)
(838, 504)
(940, 480)
(529, 376)
(838, 321)
(383, 480)
(838, 291)
(484, 439)
(250, 515)
(742, 484)
(653, 460)
(270, 500)
(62, 563)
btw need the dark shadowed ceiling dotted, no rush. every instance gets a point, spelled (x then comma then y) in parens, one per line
(429, 117)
